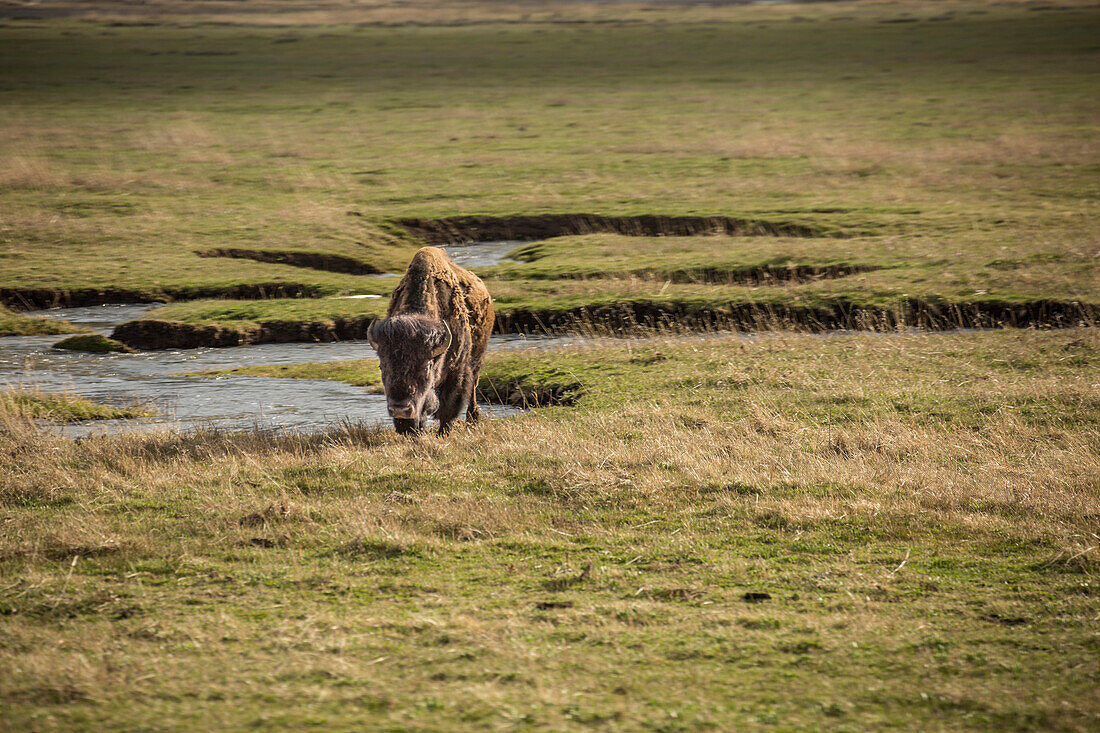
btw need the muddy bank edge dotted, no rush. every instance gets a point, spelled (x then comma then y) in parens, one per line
(639, 316)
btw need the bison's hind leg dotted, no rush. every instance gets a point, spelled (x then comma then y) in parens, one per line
(473, 411)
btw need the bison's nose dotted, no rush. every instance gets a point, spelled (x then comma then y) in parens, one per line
(402, 410)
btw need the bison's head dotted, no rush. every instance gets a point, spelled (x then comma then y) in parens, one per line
(410, 355)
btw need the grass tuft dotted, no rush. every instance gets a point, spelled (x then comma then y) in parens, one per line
(94, 343)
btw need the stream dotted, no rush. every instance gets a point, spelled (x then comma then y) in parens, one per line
(227, 402)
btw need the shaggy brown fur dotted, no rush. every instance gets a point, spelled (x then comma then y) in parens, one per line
(431, 344)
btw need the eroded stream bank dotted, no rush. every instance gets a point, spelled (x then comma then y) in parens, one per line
(30, 299)
(484, 254)
(634, 317)
(151, 334)
(465, 229)
(631, 317)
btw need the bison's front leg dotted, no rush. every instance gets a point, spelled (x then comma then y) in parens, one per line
(452, 399)
(473, 410)
(446, 423)
(449, 407)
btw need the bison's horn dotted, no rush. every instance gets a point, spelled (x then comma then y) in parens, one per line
(442, 348)
(371, 334)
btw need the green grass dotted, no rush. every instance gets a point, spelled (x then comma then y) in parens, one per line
(609, 374)
(243, 313)
(917, 509)
(956, 154)
(513, 379)
(92, 342)
(15, 324)
(21, 403)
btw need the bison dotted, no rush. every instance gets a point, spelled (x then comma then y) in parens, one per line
(431, 344)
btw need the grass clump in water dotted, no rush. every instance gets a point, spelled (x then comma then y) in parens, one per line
(94, 343)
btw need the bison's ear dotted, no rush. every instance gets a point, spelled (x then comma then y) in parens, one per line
(442, 348)
(373, 334)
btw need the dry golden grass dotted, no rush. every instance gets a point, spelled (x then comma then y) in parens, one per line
(921, 510)
(443, 12)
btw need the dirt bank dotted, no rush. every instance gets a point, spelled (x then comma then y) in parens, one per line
(839, 315)
(750, 276)
(310, 260)
(459, 229)
(154, 335)
(621, 318)
(523, 393)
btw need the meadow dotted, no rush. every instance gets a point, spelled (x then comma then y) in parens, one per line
(687, 531)
(952, 148)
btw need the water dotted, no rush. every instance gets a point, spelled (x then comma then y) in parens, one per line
(483, 254)
(227, 402)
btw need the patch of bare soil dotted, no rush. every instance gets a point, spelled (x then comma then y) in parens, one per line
(310, 260)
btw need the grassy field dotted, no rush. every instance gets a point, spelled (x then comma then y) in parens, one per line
(957, 151)
(691, 532)
(787, 532)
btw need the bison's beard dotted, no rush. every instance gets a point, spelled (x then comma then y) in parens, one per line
(408, 426)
